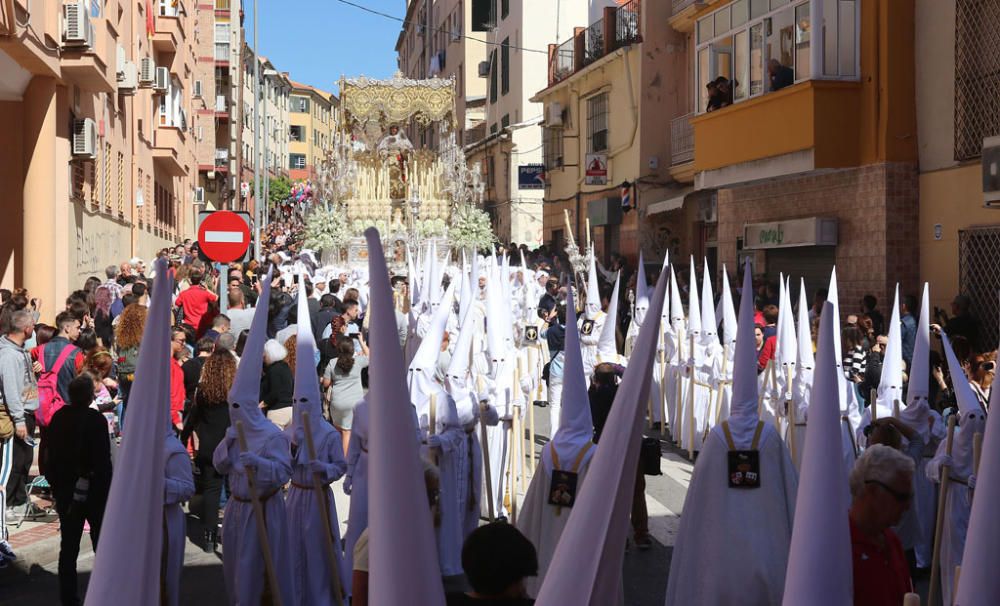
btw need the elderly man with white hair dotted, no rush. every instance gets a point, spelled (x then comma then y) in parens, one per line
(881, 492)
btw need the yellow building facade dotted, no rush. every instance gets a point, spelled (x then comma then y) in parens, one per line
(311, 119)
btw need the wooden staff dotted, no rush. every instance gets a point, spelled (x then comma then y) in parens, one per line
(663, 399)
(790, 410)
(722, 383)
(775, 395)
(512, 474)
(691, 387)
(432, 425)
(321, 498)
(531, 434)
(895, 408)
(678, 405)
(911, 599)
(939, 523)
(873, 404)
(958, 574)
(485, 445)
(258, 514)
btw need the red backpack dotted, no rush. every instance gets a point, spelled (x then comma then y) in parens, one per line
(49, 398)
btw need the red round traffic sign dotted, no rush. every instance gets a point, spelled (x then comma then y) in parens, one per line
(224, 236)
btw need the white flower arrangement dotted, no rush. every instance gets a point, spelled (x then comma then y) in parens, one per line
(326, 229)
(470, 228)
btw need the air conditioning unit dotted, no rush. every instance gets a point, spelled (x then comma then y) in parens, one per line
(84, 138)
(197, 88)
(991, 172)
(129, 79)
(147, 72)
(484, 69)
(120, 63)
(199, 195)
(78, 31)
(554, 115)
(162, 81)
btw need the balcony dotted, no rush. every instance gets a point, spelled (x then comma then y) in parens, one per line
(811, 125)
(222, 159)
(91, 67)
(620, 26)
(167, 141)
(682, 16)
(168, 35)
(221, 52)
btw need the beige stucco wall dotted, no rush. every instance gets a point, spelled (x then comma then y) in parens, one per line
(952, 198)
(934, 55)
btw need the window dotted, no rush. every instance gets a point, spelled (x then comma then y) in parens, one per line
(977, 80)
(505, 121)
(552, 142)
(121, 184)
(505, 66)
(300, 105)
(108, 158)
(483, 15)
(222, 32)
(504, 8)
(761, 46)
(295, 133)
(597, 123)
(491, 171)
(296, 161)
(168, 8)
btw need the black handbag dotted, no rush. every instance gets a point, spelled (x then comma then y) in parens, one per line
(649, 457)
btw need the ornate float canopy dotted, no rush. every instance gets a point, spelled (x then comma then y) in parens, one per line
(398, 100)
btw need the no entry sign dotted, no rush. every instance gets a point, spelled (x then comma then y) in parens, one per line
(224, 235)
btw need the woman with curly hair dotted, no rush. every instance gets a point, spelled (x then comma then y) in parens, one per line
(209, 420)
(291, 344)
(128, 336)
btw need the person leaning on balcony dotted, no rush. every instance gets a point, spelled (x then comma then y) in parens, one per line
(715, 99)
(780, 75)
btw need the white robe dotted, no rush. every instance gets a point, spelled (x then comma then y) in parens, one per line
(957, 511)
(588, 343)
(306, 528)
(243, 565)
(732, 545)
(178, 488)
(541, 523)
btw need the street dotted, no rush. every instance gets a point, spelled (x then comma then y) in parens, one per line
(33, 578)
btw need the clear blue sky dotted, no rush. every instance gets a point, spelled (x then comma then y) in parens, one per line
(317, 41)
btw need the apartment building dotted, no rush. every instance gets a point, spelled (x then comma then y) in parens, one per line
(217, 78)
(958, 125)
(611, 89)
(274, 105)
(511, 152)
(447, 39)
(98, 157)
(311, 123)
(808, 159)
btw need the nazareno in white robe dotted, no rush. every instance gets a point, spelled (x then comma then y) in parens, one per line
(178, 488)
(732, 545)
(542, 523)
(242, 563)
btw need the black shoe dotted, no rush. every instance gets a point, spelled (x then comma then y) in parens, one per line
(541, 403)
(211, 541)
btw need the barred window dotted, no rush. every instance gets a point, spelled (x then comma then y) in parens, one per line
(107, 177)
(95, 190)
(552, 140)
(121, 184)
(597, 123)
(977, 75)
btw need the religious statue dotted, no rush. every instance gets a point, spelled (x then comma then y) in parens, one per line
(395, 149)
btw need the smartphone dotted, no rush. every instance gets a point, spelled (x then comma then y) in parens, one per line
(296, 279)
(283, 283)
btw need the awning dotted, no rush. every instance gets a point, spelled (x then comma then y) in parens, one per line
(672, 203)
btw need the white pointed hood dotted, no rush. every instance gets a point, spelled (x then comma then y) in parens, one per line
(787, 349)
(576, 428)
(971, 418)
(709, 325)
(917, 409)
(641, 294)
(890, 386)
(607, 345)
(676, 307)
(414, 282)
(423, 366)
(592, 307)
(694, 305)
(805, 358)
(244, 395)
(307, 396)
(820, 569)
(458, 377)
(729, 323)
(743, 406)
